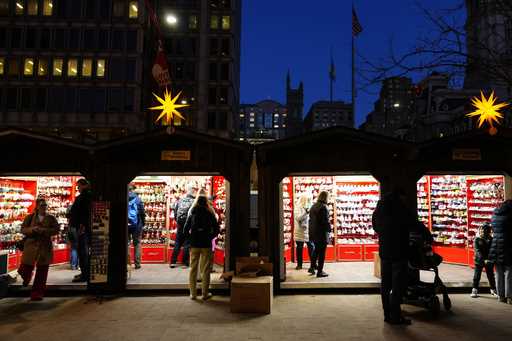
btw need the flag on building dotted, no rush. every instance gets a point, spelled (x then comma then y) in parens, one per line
(160, 68)
(356, 25)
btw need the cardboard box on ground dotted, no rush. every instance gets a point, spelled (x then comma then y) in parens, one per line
(252, 286)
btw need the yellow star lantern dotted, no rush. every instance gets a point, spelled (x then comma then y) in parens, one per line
(168, 107)
(487, 111)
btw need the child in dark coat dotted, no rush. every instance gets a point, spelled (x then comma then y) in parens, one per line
(482, 246)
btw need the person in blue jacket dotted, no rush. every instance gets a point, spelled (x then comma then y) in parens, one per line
(136, 222)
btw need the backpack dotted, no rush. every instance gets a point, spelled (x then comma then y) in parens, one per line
(133, 212)
(182, 210)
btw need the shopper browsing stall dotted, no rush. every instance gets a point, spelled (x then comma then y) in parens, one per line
(319, 229)
(80, 221)
(392, 220)
(501, 250)
(181, 211)
(300, 232)
(201, 227)
(38, 228)
(482, 246)
(136, 222)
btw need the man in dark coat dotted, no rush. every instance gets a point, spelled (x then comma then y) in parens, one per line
(80, 221)
(393, 220)
(319, 229)
(181, 211)
(501, 250)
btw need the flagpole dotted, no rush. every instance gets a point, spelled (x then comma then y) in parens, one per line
(331, 78)
(353, 77)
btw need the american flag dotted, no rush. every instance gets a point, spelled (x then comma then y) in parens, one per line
(356, 25)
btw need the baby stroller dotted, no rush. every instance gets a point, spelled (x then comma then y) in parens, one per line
(422, 258)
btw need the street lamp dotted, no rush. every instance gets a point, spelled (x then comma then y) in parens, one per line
(171, 19)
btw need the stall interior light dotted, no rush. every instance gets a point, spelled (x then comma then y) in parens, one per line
(135, 8)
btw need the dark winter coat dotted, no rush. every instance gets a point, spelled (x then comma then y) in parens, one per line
(501, 246)
(201, 227)
(393, 221)
(482, 247)
(141, 214)
(319, 225)
(80, 213)
(181, 211)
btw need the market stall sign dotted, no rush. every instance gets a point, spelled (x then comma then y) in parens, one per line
(175, 155)
(100, 225)
(467, 154)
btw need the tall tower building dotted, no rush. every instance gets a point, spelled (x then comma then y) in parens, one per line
(489, 46)
(202, 43)
(72, 68)
(295, 107)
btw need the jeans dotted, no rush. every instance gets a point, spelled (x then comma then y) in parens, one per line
(134, 236)
(73, 243)
(74, 258)
(318, 258)
(504, 280)
(83, 254)
(181, 241)
(300, 247)
(392, 286)
(489, 270)
(200, 257)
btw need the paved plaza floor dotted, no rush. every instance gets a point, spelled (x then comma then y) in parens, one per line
(341, 275)
(294, 317)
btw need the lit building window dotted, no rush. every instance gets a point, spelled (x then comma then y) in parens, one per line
(226, 22)
(47, 7)
(251, 125)
(251, 119)
(32, 7)
(72, 67)
(58, 64)
(42, 67)
(192, 22)
(276, 126)
(133, 12)
(28, 68)
(87, 68)
(252, 114)
(214, 22)
(2, 61)
(242, 115)
(100, 68)
(19, 8)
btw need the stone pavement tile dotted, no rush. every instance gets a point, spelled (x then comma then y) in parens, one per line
(299, 317)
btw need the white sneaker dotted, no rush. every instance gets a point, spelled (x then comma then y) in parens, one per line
(474, 293)
(494, 293)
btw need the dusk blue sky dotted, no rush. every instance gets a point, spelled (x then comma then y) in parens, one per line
(278, 35)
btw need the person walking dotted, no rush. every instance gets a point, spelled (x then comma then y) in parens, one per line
(482, 246)
(319, 229)
(501, 250)
(181, 211)
(392, 220)
(202, 227)
(38, 227)
(80, 221)
(136, 222)
(300, 231)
